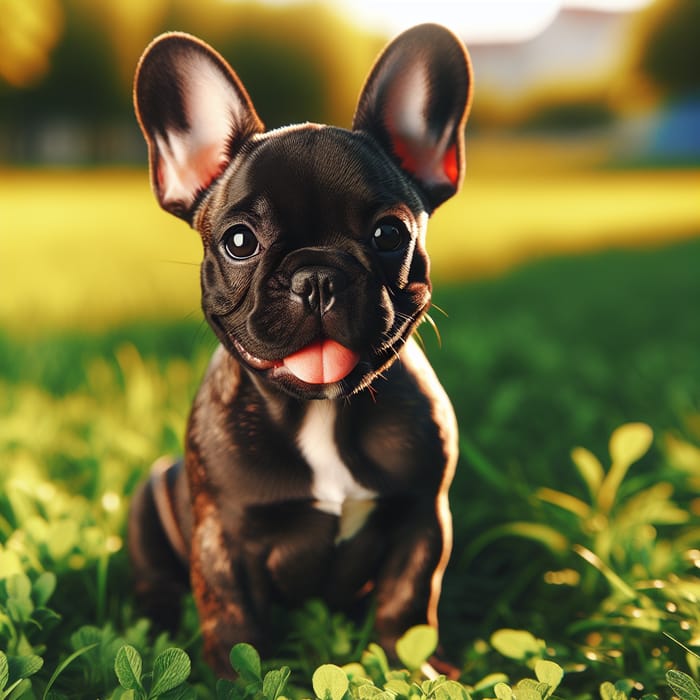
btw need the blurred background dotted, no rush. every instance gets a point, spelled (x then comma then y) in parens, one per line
(566, 276)
(585, 133)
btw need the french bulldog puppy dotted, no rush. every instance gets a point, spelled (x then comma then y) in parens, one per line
(321, 446)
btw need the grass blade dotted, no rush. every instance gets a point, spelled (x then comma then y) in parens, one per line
(64, 665)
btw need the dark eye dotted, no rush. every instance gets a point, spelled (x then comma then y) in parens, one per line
(389, 236)
(240, 242)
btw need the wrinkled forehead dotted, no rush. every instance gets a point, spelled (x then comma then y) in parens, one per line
(314, 170)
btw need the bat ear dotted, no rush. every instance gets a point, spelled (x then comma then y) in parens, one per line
(415, 104)
(195, 115)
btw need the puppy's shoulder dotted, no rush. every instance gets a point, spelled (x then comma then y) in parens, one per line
(415, 364)
(222, 379)
(419, 371)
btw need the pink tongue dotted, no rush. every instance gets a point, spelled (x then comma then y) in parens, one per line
(323, 362)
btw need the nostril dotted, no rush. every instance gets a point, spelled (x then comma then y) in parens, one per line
(301, 285)
(332, 282)
(328, 285)
(317, 287)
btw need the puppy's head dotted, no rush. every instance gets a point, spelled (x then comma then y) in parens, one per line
(315, 271)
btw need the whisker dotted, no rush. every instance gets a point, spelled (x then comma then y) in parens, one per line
(430, 321)
(201, 333)
(372, 393)
(433, 305)
(180, 262)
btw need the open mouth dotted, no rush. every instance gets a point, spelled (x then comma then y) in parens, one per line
(324, 361)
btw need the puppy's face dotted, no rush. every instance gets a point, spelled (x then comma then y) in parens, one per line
(314, 270)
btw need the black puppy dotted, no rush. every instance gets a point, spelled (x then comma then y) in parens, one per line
(320, 446)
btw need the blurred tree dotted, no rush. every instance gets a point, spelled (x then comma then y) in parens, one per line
(63, 113)
(668, 48)
(299, 61)
(285, 84)
(568, 114)
(28, 31)
(131, 24)
(83, 81)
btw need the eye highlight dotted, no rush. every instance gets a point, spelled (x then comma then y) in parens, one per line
(240, 243)
(390, 235)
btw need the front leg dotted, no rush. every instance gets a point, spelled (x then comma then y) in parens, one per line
(409, 584)
(229, 603)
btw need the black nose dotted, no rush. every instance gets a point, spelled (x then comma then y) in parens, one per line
(317, 287)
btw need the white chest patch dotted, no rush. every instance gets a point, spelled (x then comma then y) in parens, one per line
(334, 489)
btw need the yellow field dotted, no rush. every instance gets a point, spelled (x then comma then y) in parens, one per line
(91, 249)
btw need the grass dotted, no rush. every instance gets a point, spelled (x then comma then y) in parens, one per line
(556, 354)
(582, 560)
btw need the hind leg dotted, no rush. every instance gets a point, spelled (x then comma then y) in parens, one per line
(156, 547)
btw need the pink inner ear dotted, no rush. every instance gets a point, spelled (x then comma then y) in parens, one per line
(206, 165)
(449, 165)
(181, 181)
(425, 163)
(406, 155)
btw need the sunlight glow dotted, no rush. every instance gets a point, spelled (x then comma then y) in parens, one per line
(111, 501)
(476, 21)
(113, 544)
